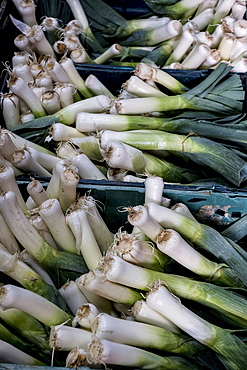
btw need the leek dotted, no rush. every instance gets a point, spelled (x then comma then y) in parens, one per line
(143, 335)
(104, 351)
(230, 305)
(202, 236)
(228, 346)
(198, 149)
(30, 239)
(32, 303)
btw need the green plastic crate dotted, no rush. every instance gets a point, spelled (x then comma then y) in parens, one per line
(215, 205)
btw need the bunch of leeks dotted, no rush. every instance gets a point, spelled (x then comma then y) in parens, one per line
(103, 312)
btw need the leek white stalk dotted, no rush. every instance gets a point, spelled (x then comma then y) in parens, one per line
(140, 252)
(230, 21)
(80, 56)
(50, 25)
(24, 160)
(103, 351)
(165, 202)
(148, 72)
(56, 72)
(146, 24)
(66, 338)
(51, 102)
(22, 43)
(27, 10)
(52, 214)
(60, 47)
(78, 12)
(240, 66)
(66, 150)
(36, 190)
(46, 160)
(16, 141)
(212, 336)
(123, 95)
(183, 209)
(32, 303)
(66, 93)
(19, 57)
(60, 132)
(54, 183)
(7, 146)
(24, 108)
(72, 42)
(89, 145)
(35, 68)
(26, 117)
(68, 186)
(74, 27)
(212, 60)
(183, 45)
(76, 357)
(240, 46)
(169, 30)
(204, 37)
(120, 155)
(8, 182)
(23, 71)
(85, 316)
(226, 45)
(112, 51)
(239, 9)
(154, 187)
(43, 79)
(7, 238)
(88, 122)
(37, 37)
(208, 4)
(103, 304)
(34, 264)
(11, 354)
(116, 174)
(86, 244)
(39, 224)
(196, 57)
(87, 169)
(144, 313)
(73, 296)
(18, 86)
(97, 87)
(142, 335)
(140, 217)
(134, 85)
(96, 282)
(10, 110)
(171, 243)
(69, 67)
(101, 231)
(67, 115)
(240, 28)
